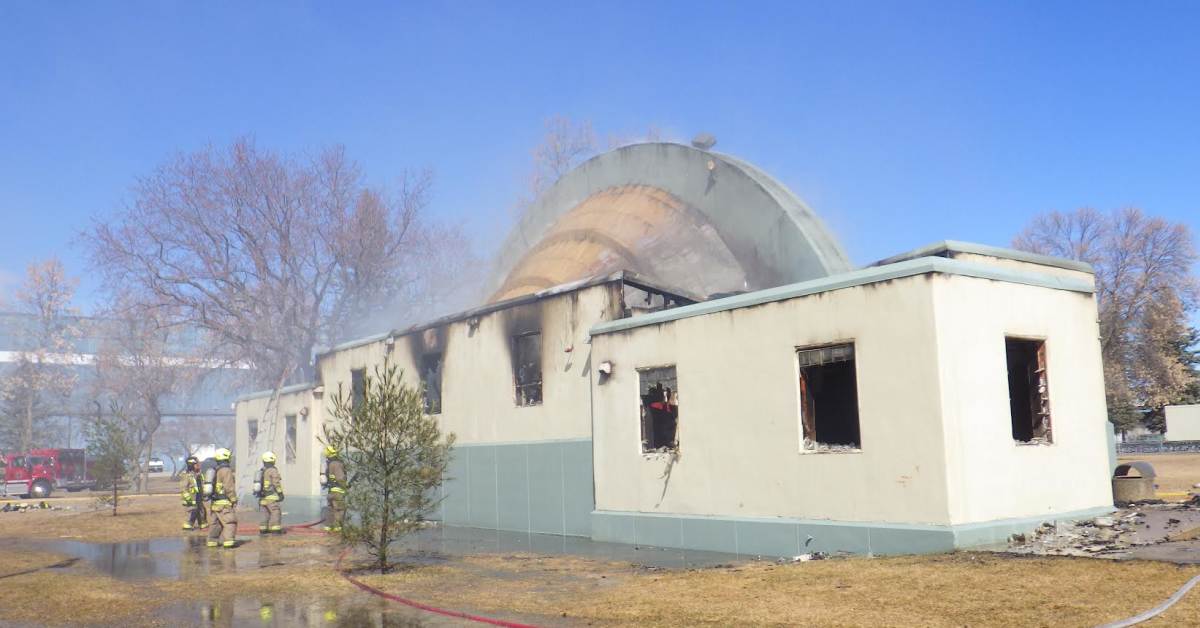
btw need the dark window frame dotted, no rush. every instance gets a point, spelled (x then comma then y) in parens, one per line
(828, 387)
(658, 408)
(527, 385)
(291, 438)
(432, 403)
(1028, 389)
(358, 386)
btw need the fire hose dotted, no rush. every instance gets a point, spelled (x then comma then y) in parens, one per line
(307, 528)
(1157, 610)
(418, 605)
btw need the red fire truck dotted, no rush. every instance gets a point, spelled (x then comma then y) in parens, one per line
(40, 472)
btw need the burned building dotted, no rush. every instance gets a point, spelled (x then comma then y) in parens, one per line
(676, 353)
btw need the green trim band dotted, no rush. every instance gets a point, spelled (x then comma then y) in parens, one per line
(791, 537)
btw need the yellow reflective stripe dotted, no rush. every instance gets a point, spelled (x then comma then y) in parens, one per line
(337, 489)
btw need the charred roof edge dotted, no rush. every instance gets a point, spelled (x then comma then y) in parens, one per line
(626, 276)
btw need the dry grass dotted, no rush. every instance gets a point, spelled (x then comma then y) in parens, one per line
(139, 517)
(1176, 472)
(946, 590)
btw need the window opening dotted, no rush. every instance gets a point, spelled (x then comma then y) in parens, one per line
(431, 382)
(1028, 390)
(290, 423)
(527, 349)
(659, 391)
(829, 398)
(358, 386)
(252, 431)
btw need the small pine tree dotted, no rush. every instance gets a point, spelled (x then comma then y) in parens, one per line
(395, 457)
(112, 452)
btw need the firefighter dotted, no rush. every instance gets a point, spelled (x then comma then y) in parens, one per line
(223, 496)
(268, 488)
(190, 488)
(334, 481)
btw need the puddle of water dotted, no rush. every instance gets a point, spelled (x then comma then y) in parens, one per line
(182, 558)
(242, 611)
(136, 560)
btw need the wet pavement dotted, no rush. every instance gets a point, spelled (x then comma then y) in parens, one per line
(186, 558)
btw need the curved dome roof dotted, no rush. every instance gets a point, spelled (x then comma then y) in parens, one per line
(698, 221)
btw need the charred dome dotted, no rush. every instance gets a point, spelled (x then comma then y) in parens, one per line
(698, 221)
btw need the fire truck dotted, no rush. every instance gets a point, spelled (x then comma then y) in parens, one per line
(40, 472)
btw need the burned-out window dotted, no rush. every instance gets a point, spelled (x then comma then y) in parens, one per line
(252, 433)
(431, 382)
(358, 386)
(660, 408)
(1028, 390)
(527, 368)
(290, 452)
(829, 398)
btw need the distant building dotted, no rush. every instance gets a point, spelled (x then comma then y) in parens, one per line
(211, 396)
(1183, 423)
(932, 401)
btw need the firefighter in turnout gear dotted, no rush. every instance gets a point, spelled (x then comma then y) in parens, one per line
(334, 481)
(223, 495)
(191, 486)
(268, 488)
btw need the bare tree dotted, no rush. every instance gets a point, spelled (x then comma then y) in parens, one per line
(34, 390)
(180, 436)
(142, 363)
(1145, 290)
(269, 255)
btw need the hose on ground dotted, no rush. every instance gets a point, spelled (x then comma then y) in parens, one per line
(1157, 610)
(418, 605)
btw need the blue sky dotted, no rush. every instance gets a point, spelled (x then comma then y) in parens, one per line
(900, 123)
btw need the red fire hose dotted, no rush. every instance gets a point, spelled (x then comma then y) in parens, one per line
(307, 528)
(424, 607)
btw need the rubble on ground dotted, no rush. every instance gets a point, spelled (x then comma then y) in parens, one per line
(26, 506)
(1113, 536)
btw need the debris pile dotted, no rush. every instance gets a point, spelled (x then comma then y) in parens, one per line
(1112, 536)
(26, 506)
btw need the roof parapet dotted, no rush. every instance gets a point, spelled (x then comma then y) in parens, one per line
(946, 248)
(868, 275)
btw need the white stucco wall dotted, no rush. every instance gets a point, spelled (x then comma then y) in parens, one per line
(739, 418)
(478, 398)
(1183, 423)
(990, 476)
(300, 476)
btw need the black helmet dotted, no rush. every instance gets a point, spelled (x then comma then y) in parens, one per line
(192, 460)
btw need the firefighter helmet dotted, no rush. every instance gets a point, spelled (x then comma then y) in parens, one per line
(330, 451)
(268, 457)
(222, 455)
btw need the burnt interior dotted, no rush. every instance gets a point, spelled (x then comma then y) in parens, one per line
(523, 326)
(1028, 389)
(659, 389)
(428, 349)
(829, 397)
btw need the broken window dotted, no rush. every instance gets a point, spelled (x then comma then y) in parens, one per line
(829, 398)
(358, 386)
(527, 368)
(290, 452)
(252, 432)
(431, 382)
(660, 408)
(1028, 390)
